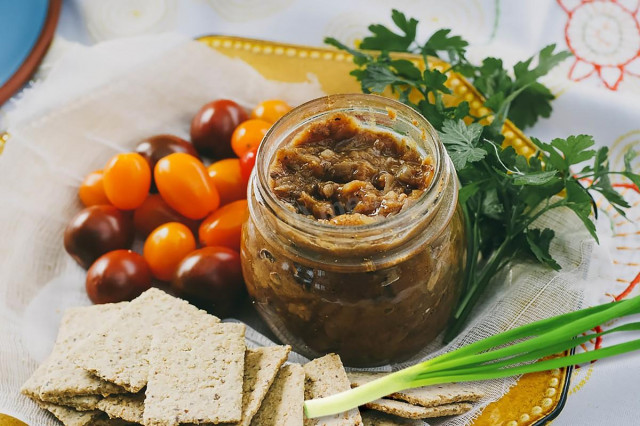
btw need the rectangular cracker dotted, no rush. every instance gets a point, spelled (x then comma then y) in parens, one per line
(283, 404)
(196, 373)
(260, 370)
(377, 418)
(427, 396)
(128, 407)
(323, 377)
(409, 411)
(117, 351)
(58, 378)
(69, 416)
(79, 402)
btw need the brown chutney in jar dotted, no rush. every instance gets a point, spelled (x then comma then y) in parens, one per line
(354, 244)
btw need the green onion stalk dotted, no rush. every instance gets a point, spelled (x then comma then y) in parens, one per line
(521, 350)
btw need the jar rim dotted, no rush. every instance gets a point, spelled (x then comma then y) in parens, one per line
(294, 120)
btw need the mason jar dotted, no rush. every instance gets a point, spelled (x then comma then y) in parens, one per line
(374, 293)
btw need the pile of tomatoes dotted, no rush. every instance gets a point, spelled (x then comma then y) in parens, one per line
(189, 215)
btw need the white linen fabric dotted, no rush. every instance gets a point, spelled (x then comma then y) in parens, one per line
(100, 100)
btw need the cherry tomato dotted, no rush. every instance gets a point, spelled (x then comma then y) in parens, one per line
(157, 147)
(127, 178)
(247, 162)
(226, 177)
(185, 185)
(222, 227)
(91, 191)
(155, 212)
(270, 110)
(95, 231)
(211, 278)
(117, 276)
(248, 136)
(212, 126)
(165, 247)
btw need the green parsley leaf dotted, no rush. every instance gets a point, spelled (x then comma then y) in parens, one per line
(461, 142)
(539, 242)
(440, 41)
(629, 156)
(531, 104)
(385, 39)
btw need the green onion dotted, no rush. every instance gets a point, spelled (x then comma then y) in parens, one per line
(505, 354)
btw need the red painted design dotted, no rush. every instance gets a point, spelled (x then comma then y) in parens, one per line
(604, 36)
(629, 288)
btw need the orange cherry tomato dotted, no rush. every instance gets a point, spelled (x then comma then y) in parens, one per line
(165, 248)
(183, 182)
(91, 191)
(127, 179)
(222, 227)
(248, 135)
(225, 175)
(271, 110)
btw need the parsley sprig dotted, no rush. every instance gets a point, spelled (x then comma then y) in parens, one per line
(502, 192)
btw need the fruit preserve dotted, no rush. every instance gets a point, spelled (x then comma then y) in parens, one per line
(354, 243)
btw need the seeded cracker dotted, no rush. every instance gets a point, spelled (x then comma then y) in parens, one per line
(409, 411)
(117, 351)
(127, 407)
(196, 373)
(323, 377)
(80, 402)
(283, 404)
(260, 370)
(58, 378)
(427, 396)
(376, 418)
(69, 416)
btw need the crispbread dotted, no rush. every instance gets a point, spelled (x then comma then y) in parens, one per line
(127, 407)
(323, 377)
(260, 370)
(409, 411)
(69, 416)
(31, 387)
(283, 404)
(196, 373)
(427, 396)
(117, 351)
(58, 378)
(79, 402)
(377, 418)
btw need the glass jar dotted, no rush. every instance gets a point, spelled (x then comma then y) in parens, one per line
(376, 293)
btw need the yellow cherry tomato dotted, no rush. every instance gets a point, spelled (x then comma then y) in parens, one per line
(270, 110)
(183, 182)
(165, 248)
(248, 136)
(226, 177)
(127, 179)
(91, 191)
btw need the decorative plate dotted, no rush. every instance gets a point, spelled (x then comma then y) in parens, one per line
(27, 30)
(536, 398)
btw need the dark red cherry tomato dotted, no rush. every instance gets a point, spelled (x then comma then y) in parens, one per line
(95, 231)
(157, 147)
(212, 126)
(118, 276)
(211, 278)
(155, 212)
(247, 163)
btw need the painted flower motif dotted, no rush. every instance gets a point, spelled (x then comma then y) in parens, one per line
(604, 36)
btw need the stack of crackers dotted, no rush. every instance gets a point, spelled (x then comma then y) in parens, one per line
(158, 360)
